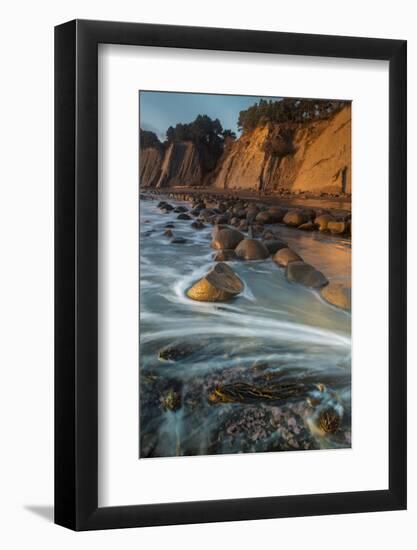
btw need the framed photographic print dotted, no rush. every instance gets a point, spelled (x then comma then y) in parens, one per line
(230, 275)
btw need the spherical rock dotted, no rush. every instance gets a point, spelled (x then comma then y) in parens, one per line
(322, 221)
(276, 214)
(305, 274)
(218, 228)
(220, 284)
(337, 228)
(337, 294)
(295, 218)
(251, 249)
(284, 256)
(227, 239)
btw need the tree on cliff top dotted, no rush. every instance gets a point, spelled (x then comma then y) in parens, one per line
(287, 110)
(148, 139)
(203, 130)
(207, 134)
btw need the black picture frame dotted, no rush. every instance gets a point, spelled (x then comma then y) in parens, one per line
(76, 272)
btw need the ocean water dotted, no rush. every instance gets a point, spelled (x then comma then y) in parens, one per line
(275, 337)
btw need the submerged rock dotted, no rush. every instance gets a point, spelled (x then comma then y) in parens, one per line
(251, 249)
(337, 294)
(305, 274)
(329, 420)
(284, 256)
(183, 216)
(171, 398)
(176, 351)
(242, 392)
(218, 285)
(226, 239)
(198, 225)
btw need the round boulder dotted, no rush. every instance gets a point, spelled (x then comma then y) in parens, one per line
(220, 284)
(226, 239)
(295, 218)
(322, 221)
(183, 216)
(285, 256)
(276, 214)
(251, 249)
(338, 295)
(305, 274)
(337, 228)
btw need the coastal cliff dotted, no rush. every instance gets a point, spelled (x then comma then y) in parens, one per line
(313, 156)
(297, 157)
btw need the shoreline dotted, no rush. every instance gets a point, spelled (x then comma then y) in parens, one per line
(261, 228)
(290, 200)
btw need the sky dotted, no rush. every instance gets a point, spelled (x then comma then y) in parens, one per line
(159, 110)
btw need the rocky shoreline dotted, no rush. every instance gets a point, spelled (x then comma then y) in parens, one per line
(249, 230)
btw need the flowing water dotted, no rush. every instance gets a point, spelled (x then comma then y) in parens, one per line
(274, 335)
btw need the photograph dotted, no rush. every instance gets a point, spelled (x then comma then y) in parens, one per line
(244, 273)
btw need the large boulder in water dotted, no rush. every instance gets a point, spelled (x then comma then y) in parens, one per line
(251, 249)
(295, 218)
(284, 256)
(305, 274)
(276, 214)
(220, 284)
(226, 239)
(218, 228)
(337, 294)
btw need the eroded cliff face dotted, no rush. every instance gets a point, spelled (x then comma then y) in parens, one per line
(178, 164)
(150, 166)
(314, 157)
